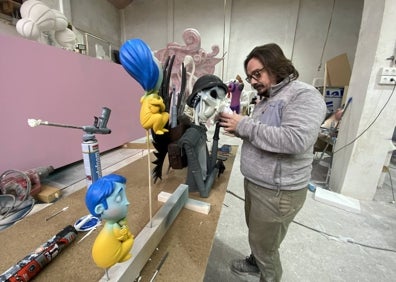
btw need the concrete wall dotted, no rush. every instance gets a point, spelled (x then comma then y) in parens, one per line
(367, 127)
(97, 17)
(236, 26)
(299, 26)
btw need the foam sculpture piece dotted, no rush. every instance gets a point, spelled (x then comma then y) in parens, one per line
(197, 60)
(235, 88)
(179, 133)
(137, 59)
(206, 99)
(106, 199)
(37, 18)
(182, 65)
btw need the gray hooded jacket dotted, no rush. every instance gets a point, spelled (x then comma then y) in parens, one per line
(278, 139)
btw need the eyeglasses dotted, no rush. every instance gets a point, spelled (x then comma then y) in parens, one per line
(256, 75)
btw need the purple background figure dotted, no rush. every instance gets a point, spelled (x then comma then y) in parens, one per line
(235, 88)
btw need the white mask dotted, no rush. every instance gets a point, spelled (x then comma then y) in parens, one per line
(209, 102)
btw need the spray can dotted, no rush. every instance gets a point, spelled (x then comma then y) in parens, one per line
(91, 157)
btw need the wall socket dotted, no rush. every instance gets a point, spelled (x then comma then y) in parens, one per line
(388, 76)
(388, 71)
(388, 79)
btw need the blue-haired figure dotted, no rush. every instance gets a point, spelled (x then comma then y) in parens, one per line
(106, 199)
(137, 59)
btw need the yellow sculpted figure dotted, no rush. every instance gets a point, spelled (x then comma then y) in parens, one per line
(107, 200)
(152, 113)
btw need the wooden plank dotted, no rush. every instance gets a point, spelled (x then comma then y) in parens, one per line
(191, 204)
(48, 194)
(149, 238)
(138, 146)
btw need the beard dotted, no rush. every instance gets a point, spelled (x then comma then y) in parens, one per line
(262, 90)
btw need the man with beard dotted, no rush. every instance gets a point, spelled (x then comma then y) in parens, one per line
(276, 154)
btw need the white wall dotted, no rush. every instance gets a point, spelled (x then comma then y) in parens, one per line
(255, 23)
(236, 26)
(310, 40)
(298, 26)
(97, 17)
(357, 167)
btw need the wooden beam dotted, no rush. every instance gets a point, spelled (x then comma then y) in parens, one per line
(191, 204)
(138, 146)
(149, 238)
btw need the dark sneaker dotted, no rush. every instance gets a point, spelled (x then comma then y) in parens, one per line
(245, 266)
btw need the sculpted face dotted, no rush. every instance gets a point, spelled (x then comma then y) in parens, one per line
(117, 204)
(210, 100)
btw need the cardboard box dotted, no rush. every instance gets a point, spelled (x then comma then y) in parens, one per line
(333, 98)
(336, 81)
(338, 71)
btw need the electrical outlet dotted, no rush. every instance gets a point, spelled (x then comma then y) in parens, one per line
(388, 79)
(388, 71)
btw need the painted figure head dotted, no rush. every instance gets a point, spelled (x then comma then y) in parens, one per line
(208, 93)
(106, 198)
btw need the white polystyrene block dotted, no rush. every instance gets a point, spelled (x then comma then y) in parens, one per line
(337, 200)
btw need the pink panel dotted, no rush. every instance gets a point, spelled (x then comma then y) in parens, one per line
(44, 82)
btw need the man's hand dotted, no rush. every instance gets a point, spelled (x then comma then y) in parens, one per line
(230, 121)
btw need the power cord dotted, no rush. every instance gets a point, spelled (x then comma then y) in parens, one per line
(345, 239)
(15, 200)
(327, 36)
(339, 238)
(375, 119)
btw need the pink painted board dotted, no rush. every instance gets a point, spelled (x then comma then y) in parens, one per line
(45, 82)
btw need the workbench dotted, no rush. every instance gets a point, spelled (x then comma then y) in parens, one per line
(188, 240)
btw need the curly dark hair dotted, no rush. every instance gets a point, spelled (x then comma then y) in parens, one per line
(274, 61)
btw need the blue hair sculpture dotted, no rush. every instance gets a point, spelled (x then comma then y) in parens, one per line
(137, 59)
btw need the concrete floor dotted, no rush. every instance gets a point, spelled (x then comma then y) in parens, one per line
(324, 243)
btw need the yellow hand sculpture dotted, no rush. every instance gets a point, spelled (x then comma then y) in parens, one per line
(112, 245)
(152, 113)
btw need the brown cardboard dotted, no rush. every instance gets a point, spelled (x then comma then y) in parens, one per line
(338, 71)
(48, 194)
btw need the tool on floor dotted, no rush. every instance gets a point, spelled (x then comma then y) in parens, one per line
(32, 264)
(17, 189)
(55, 214)
(15, 180)
(159, 266)
(90, 146)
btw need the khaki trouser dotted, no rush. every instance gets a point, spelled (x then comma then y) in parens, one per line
(268, 215)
